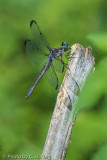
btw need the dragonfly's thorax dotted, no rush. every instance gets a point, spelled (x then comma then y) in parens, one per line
(56, 52)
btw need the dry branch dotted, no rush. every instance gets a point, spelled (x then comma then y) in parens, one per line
(60, 126)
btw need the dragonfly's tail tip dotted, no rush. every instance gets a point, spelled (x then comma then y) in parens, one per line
(26, 96)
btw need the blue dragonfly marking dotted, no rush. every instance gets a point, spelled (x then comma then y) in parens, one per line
(42, 55)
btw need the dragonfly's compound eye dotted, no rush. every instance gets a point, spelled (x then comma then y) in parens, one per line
(62, 44)
(65, 45)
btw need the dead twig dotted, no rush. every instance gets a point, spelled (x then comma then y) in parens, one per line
(61, 126)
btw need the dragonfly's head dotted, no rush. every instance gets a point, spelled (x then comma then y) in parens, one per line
(65, 46)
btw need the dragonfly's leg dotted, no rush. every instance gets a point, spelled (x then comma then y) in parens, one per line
(68, 53)
(62, 59)
(65, 64)
(66, 56)
(70, 56)
(66, 67)
(62, 63)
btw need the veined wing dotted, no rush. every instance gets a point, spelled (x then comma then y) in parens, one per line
(37, 55)
(58, 65)
(39, 38)
(51, 77)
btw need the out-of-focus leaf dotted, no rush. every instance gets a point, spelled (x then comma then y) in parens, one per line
(99, 39)
(95, 87)
(101, 154)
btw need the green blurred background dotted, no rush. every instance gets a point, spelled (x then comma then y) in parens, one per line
(24, 123)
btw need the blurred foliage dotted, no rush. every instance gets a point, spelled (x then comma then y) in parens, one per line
(102, 153)
(99, 39)
(24, 123)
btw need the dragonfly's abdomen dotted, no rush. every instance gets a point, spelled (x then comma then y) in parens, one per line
(37, 80)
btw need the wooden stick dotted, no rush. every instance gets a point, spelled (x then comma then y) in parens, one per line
(61, 125)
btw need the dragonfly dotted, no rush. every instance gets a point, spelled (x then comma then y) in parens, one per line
(51, 59)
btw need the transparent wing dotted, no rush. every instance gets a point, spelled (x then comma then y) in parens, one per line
(39, 38)
(38, 56)
(51, 77)
(58, 65)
